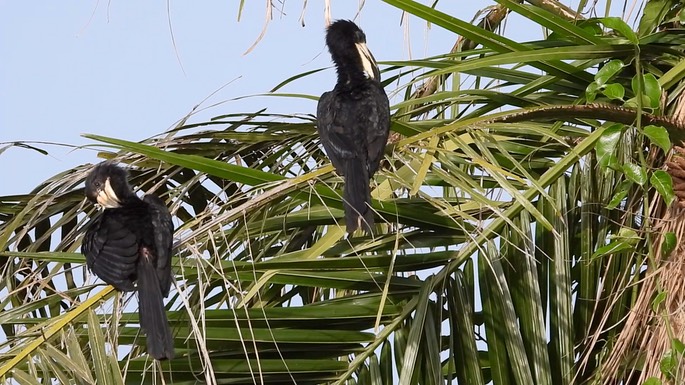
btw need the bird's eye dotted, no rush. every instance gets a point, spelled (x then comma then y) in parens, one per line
(96, 183)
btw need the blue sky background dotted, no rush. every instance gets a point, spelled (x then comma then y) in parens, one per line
(111, 68)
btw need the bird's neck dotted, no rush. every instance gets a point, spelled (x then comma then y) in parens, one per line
(350, 74)
(352, 82)
(131, 199)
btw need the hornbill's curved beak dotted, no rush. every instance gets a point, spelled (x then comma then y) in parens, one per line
(107, 198)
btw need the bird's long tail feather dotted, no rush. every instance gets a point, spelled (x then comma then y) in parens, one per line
(357, 196)
(153, 319)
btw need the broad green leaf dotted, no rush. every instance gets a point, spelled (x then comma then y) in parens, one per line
(608, 71)
(669, 244)
(662, 182)
(647, 86)
(620, 26)
(614, 91)
(635, 173)
(620, 194)
(607, 144)
(658, 136)
(652, 90)
(668, 364)
(591, 92)
(628, 234)
(634, 102)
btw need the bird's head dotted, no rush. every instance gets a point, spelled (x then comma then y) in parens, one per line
(107, 185)
(347, 42)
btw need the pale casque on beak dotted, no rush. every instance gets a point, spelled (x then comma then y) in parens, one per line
(107, 198)
(368, 61)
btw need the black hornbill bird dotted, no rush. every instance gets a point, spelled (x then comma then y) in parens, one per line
(353, 120)
(131, 241)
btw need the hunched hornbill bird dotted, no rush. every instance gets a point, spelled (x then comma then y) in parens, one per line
(353, 120)
(130, 241)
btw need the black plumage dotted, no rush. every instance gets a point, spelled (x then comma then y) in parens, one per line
(130, 242)
(353, 120)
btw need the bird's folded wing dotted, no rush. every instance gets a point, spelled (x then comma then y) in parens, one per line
(337, 139)
(111, 251)
(163, 229)
(378, 129)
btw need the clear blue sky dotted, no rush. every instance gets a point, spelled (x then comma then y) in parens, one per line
(111, 68)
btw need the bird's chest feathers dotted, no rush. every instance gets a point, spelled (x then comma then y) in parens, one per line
(351, 91)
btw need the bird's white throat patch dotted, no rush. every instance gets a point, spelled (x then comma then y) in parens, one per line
(107, 198)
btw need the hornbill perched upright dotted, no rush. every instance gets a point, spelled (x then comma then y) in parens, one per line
(131, 241)
(353, 120)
